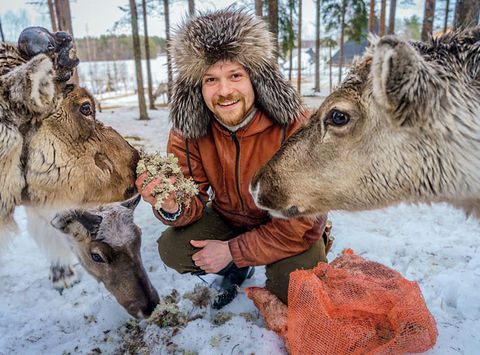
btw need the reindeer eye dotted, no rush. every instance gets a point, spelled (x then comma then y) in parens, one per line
(97, 258)
(86, 109)
(338, 118)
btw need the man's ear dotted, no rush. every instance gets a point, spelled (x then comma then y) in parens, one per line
(403, 82)
(76, 222)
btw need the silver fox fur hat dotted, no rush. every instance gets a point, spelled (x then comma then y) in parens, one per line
(226, 35)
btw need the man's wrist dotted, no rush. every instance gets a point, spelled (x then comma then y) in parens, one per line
(171, 217)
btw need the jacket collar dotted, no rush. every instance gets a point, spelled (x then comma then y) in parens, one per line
(259, 123)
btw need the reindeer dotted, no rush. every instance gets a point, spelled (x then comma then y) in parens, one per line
(107, 244)
(404, 126)
(54, 154)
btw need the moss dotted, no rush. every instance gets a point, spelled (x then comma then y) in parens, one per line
(222, 317)
(165, 168)
(167, 313)
(201, 296)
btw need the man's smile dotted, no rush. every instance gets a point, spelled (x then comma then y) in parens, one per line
(227, 104)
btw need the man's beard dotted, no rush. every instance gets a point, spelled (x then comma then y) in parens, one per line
(233, 117)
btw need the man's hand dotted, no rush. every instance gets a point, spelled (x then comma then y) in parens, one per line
(168, 204)
(214, 256)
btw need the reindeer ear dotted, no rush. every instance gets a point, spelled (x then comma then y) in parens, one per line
(132, 203)
(64, 220)
(402, 81)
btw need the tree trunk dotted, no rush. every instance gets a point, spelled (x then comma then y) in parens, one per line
(151, 100)
(342, 36)
(466, 13)
(273, 20)
(317, 48)
(381, 30)
(52, 16)
(391, 18)
(169, 58)
(1, 31)
(64, 18)
(299, 76)
(259, 8)
(428, 16)
(191, 8)
(290, 55)
(371, 19)
(138, 65)
(445, 23)
(331, 79)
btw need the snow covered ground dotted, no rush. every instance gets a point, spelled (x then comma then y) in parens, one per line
(437, 246)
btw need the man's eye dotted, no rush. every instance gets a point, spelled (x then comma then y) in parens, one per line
(209, 80)
(236, 76)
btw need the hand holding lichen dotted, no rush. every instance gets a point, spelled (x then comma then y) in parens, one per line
(157, 166)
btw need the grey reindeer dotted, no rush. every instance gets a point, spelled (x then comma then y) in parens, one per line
(107, 243)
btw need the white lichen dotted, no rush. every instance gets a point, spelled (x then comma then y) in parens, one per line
(165, 168)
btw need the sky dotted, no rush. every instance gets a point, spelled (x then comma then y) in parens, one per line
(97, 17)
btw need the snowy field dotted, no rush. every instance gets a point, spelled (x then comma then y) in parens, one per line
(437, 246)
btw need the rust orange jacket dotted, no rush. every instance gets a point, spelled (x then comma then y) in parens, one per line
(226, 162)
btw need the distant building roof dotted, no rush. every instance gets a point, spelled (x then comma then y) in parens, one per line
(350, 50)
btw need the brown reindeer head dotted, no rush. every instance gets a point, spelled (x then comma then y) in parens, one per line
(74, 159)
(402, 126)
(107, 243)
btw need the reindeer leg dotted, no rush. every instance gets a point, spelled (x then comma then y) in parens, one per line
(63, 273)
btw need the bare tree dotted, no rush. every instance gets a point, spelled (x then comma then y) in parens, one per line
(299, 76)
(428, 17)
(52, 16)
(445, 23)
(259, 8)
(273, 20)
(63, 22)
(466, 13)
(1, 31)
(330, 43)
(191, 7)
(151, 100)
(169, 57)
(371, 18)
(381, 30)
(391, 18)
(138, 64)
(342, 39)
(317, 47)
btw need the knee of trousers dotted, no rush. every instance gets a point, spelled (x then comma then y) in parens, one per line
(169, 249)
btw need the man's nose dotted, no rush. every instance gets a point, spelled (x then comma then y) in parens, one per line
(225, 88)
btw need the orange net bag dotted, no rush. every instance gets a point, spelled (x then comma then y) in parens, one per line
(352, 306)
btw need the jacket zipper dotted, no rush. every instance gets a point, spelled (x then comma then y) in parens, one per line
(237, 162)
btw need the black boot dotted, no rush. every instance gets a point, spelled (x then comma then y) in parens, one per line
(233, 277)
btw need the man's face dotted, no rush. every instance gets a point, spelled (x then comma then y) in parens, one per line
(228, 92)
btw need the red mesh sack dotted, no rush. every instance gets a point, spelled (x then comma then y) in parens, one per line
(355, 306)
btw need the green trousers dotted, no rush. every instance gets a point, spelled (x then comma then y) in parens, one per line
(176, 251)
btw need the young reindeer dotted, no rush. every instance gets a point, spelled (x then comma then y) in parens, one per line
(403, 126)
(107, 244)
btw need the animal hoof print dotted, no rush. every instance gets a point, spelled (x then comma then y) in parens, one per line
(63, 276)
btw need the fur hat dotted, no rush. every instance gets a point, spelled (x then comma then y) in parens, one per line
(226, 35)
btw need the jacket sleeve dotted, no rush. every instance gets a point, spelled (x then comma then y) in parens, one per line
(276, 240)
(177, 146)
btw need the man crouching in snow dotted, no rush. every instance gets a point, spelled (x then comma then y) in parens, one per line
(231, 110)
